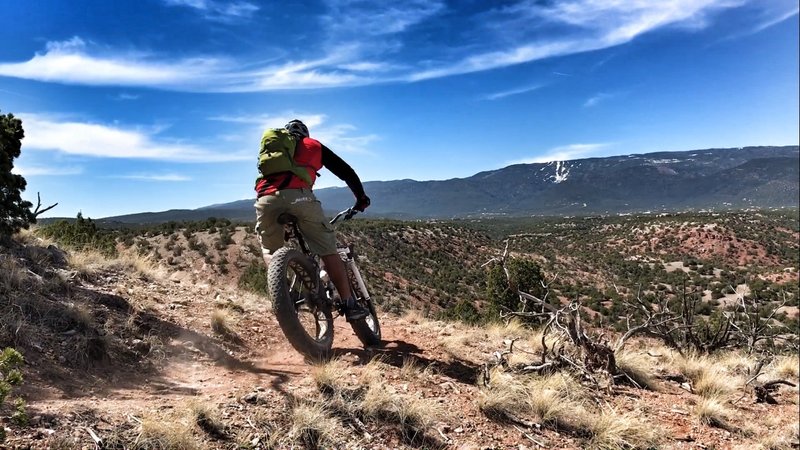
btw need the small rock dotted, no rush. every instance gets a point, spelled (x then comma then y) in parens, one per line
(459, 430)
(251, 398)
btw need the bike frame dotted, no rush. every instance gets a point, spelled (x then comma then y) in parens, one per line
(346, 253)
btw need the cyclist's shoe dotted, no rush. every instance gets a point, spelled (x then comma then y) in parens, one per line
(353, 311)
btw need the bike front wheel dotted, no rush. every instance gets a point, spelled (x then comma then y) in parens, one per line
(367, 329)
(304, 317)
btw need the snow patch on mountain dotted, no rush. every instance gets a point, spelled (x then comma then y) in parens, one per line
(561, 172)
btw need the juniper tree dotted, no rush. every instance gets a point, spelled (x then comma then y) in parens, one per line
(15, 213)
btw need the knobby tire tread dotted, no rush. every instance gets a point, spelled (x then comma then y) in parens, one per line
(361, 328)
(284, 307)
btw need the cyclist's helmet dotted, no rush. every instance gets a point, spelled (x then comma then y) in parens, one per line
(297, 128)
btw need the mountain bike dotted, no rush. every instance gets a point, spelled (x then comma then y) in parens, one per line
(305, 300)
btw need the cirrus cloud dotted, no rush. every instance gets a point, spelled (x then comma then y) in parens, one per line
(522, 32)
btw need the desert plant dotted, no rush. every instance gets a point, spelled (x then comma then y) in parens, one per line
(413, 415)
(330, 376)
(220, 324)
(208, 420)
(158, 433)
(613, 430)
(10, 360)
(312, 425)
(711, 411)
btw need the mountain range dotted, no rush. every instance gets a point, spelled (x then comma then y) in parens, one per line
(725, 178)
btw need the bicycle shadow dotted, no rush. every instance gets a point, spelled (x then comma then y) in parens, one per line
(396, 352)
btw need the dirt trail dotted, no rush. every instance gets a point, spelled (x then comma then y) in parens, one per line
(258, 374)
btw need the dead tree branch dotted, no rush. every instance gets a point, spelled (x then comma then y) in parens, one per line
(38, 211)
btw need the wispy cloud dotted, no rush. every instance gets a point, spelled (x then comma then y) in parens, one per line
(123, 96)
(153, 177)
(222, 11)
(598, 98)
(565, 153)
(72, 62)
(30, 171)
(521, 90)
(46, 133)
(339, 137)
(374, 42)
(584, 25)
(358, 18)
(770, 14)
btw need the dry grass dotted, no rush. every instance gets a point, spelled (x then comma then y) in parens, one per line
(709, 376)
(312, 426)
(165, 433)
(373, 371)
(691, 366)
(12, 275)
(639, 366)
(460, 345)
(413, 415)
(422, 323)
(711, 411)
(221, 325)
(331, 376)
(551, 339)
(208, 420)
(513, 329)
(736, 363)
(786, 367)
(89, 263)
(411, 368)
(715, 383)
(556, 399)
(507, 397)
(780, 437)
(613, 430)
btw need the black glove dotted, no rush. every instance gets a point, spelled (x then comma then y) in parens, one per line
(361, 203)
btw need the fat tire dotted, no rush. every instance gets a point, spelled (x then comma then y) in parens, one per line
(284, 307)
(368, 336)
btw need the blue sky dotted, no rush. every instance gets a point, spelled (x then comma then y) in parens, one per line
(133, 106)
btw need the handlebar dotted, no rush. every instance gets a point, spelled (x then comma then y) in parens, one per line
(347, 214)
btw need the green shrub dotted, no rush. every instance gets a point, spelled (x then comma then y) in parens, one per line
(523, 275)
(254, 277)
(10, 360)
(81, 234)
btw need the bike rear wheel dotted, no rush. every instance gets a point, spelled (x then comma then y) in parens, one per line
(304, 317)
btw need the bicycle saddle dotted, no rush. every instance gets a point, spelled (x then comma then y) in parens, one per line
(286, 219)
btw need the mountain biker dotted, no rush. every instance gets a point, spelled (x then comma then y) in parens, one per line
(286, 192)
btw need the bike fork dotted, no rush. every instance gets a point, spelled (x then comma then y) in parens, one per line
(362, 287)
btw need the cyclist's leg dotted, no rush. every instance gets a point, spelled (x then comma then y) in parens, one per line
(269, 232)
(321, 239)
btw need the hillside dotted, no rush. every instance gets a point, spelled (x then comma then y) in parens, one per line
(169, 345)
(711, 179)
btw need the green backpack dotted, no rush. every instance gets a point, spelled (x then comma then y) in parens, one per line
(277, 154)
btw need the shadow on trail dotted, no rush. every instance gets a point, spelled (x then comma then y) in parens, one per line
(110, 346)
(396, 352)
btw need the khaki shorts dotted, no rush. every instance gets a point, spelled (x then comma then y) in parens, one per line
(317, 232)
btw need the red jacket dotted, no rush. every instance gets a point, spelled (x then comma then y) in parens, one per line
(308, 154)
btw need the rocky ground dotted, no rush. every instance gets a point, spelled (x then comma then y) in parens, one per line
(122, 354)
